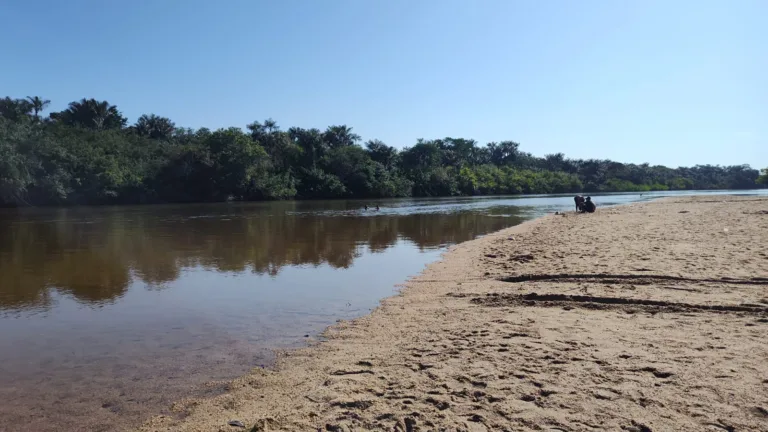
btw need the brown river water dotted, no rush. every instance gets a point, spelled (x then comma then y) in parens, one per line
(110, 314)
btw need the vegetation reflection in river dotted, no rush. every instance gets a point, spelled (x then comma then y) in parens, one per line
(95, 254)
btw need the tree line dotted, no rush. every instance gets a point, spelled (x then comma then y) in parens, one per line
(90, 154)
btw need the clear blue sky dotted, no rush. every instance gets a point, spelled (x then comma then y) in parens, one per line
(675, 82)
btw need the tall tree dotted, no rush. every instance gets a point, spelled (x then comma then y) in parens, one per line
(311, 142)
(38, 105)
(554, 162)
(457, 152)
(17, 160)
(763, 179)
(504, 153)
(340, 136)
(154, 127)
(91, 114)
(237, 160)
(271, 126)
(14, 109)
(259, 130)
(425, 155)
(382, 153)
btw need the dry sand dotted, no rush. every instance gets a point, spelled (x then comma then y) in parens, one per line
(646, 317)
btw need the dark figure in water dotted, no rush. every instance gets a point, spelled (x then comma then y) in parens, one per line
(579, 200)
(377, 208)
(366, 207)
(589, 206)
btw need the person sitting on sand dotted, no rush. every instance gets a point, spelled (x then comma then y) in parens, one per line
(589, 206)
(579, 200)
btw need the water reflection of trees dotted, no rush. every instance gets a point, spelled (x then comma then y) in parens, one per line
(93, 256)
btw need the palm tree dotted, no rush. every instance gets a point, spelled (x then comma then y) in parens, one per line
(382, 153)
(312, 145)
(340, 136)
(554, 162)
(271, 125)
(91, 114)
(38, 105)
(14, 109)
(260, 130)
(154, 127)
(504, 153)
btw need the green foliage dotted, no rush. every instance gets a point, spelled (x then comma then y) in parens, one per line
(680, 183)
(467, 181)
(504, 153)
(86, 155)
(91, 114)
(154, 127)
(616, 185)
(383, 154)
(18, 164)
(15, 110)
(37, 105)
(340, 136)
(317, 183)
(763, 178)
(441, 181)
(538, 182)
(267, 185)
(235, 160)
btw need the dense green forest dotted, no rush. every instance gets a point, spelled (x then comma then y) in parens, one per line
(89, 154)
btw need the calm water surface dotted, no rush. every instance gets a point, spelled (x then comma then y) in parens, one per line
(109, 314)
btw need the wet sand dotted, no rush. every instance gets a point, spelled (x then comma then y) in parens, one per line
(645, 317)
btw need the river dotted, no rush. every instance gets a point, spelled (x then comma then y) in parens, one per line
(109, 314)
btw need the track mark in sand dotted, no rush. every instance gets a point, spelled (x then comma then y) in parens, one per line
(638, 427)
(522, 258)
(723, 425)
(359, 404)
(657, 373)
(679, 289)
(352, 372)
(459, 282)
(515, 335)
(439, 404)
(637, 279)
(595, 302)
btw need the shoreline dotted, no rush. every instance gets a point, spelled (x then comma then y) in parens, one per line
(459, 347)
(683, 192)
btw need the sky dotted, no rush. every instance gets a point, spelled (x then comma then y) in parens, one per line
(677, 83)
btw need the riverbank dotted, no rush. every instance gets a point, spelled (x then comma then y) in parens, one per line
(641, 317)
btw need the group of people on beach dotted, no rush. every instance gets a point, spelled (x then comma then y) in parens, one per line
(584, 205)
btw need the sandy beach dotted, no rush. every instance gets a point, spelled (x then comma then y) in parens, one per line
(644, 317)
